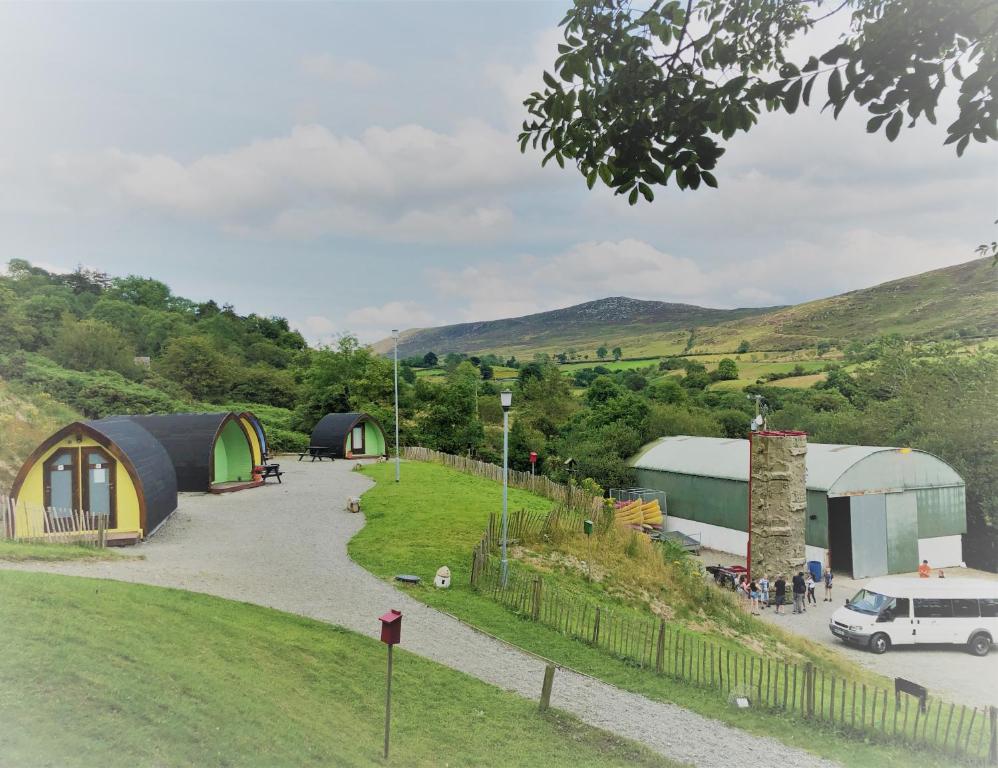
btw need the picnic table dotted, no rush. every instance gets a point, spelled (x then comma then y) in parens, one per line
(319, 452)
(270, 470)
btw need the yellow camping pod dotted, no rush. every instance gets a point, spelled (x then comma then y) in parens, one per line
(109, 468)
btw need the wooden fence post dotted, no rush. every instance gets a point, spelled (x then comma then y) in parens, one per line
(596, 627)
(993, 725)
(809, 689)
(546, 688)
(535, 613)
(660, 649)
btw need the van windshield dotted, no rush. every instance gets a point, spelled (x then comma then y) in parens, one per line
(871, 603)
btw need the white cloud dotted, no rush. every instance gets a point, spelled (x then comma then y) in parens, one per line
(405, 182)
(355, 72)
(371, 323)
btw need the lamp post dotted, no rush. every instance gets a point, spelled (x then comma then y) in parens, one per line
(506, 399)
(398, 469)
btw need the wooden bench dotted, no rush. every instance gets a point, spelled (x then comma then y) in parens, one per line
(319, 452)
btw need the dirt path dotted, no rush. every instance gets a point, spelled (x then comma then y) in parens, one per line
(284, 546)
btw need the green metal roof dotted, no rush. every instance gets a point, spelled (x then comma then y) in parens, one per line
(838, 470)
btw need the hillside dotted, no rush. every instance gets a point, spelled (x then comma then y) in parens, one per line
(589, 324)
(959, 301)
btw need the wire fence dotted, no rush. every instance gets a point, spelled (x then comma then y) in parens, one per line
(50, 525)
(804, 690)
(570, 496)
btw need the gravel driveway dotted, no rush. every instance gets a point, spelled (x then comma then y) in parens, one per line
(284, 546)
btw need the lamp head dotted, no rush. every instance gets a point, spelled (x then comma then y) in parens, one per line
(506, 399)
(395, 333)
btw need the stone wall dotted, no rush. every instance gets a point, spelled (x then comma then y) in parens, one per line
(778, 503)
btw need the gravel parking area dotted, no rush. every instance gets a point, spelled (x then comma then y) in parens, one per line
(284, 546)
(946, 670)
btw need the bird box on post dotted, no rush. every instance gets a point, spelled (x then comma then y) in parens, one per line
(391, 627)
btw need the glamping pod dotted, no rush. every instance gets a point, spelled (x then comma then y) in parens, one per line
(349, 436)
(111, 468)
(209, 451)
(258, 439)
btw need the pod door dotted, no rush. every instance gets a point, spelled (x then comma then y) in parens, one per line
(60, 493)
(98, 487)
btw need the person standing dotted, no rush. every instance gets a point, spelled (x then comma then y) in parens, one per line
(754, 596)
(811, 599)
(828, 584)
(781, 593)
(799, 589)
(764, 590)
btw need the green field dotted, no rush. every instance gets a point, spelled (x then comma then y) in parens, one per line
(14, 552)
(445, 513)
(113, 674)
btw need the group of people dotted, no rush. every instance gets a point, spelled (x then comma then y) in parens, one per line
(756, 592)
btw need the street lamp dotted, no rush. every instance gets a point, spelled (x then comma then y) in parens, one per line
(506, 400)
(398, 469)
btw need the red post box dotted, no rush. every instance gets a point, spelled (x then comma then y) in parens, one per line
(533, 457)
(391, 627)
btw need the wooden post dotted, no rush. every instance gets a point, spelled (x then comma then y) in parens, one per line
(831, 708)
(596, 627)
(660, 649)
(959, 730)
(786, 683)
(388, 701)
(809, 689)
(546, 688)
(949, 722)
(536, 613)
(993, 724)
(862, 709)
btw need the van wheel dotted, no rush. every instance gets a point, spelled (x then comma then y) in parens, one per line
(980, 644)
(879, 643)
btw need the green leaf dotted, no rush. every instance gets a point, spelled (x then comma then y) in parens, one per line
(874, 123)
(633, 197)
(792, 97)
(807, 89)
(591, 178)
(708, 179)
(646, 191)
(835, 86)
(549, 80)
(962, 145)
(894, 126)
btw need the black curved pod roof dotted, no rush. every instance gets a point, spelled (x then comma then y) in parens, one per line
(334, 433)
(193, 441)
(139, 452)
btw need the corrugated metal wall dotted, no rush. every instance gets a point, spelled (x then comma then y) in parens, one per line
(868, 516)
(941, 511)
(816, 531)
(706, 499)
(902, 532)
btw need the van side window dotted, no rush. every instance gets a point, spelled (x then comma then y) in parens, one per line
(965, 609)
(930, 608)
(901, 608)
(989, 607)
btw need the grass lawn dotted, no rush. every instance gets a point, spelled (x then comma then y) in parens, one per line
(112, 674)
(436, 515)
(16, 551)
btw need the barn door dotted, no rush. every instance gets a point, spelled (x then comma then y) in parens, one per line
(868, 521)
(902, 532)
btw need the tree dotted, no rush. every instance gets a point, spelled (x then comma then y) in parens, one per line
(602, 352)
(90, 345)
(430, 360)
(727, 370)
(617, 353)
(195, 364)
(645, 94)
(562, 357)
(743, 347)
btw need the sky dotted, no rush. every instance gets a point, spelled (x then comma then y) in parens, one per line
(354, 168)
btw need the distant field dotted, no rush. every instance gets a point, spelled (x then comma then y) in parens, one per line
(619, 365)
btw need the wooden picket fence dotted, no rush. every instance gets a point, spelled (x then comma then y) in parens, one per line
(28, 523)
(801, 690)
(570, 496)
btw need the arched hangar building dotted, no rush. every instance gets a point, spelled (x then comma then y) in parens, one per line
(871, 510)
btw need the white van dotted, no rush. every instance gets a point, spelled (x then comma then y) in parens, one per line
(912, 611)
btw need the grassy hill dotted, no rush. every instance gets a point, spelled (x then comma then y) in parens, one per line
(105, 673)
(953, 302)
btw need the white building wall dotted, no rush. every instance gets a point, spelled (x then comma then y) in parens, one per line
(941, 551)
(710, 536)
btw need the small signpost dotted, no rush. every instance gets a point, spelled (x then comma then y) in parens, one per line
(391, 635)
(533, 462)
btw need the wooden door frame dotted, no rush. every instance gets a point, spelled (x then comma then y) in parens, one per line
(112, 518)
(47, 484)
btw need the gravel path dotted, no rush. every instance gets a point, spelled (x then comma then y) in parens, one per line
(284, 546)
